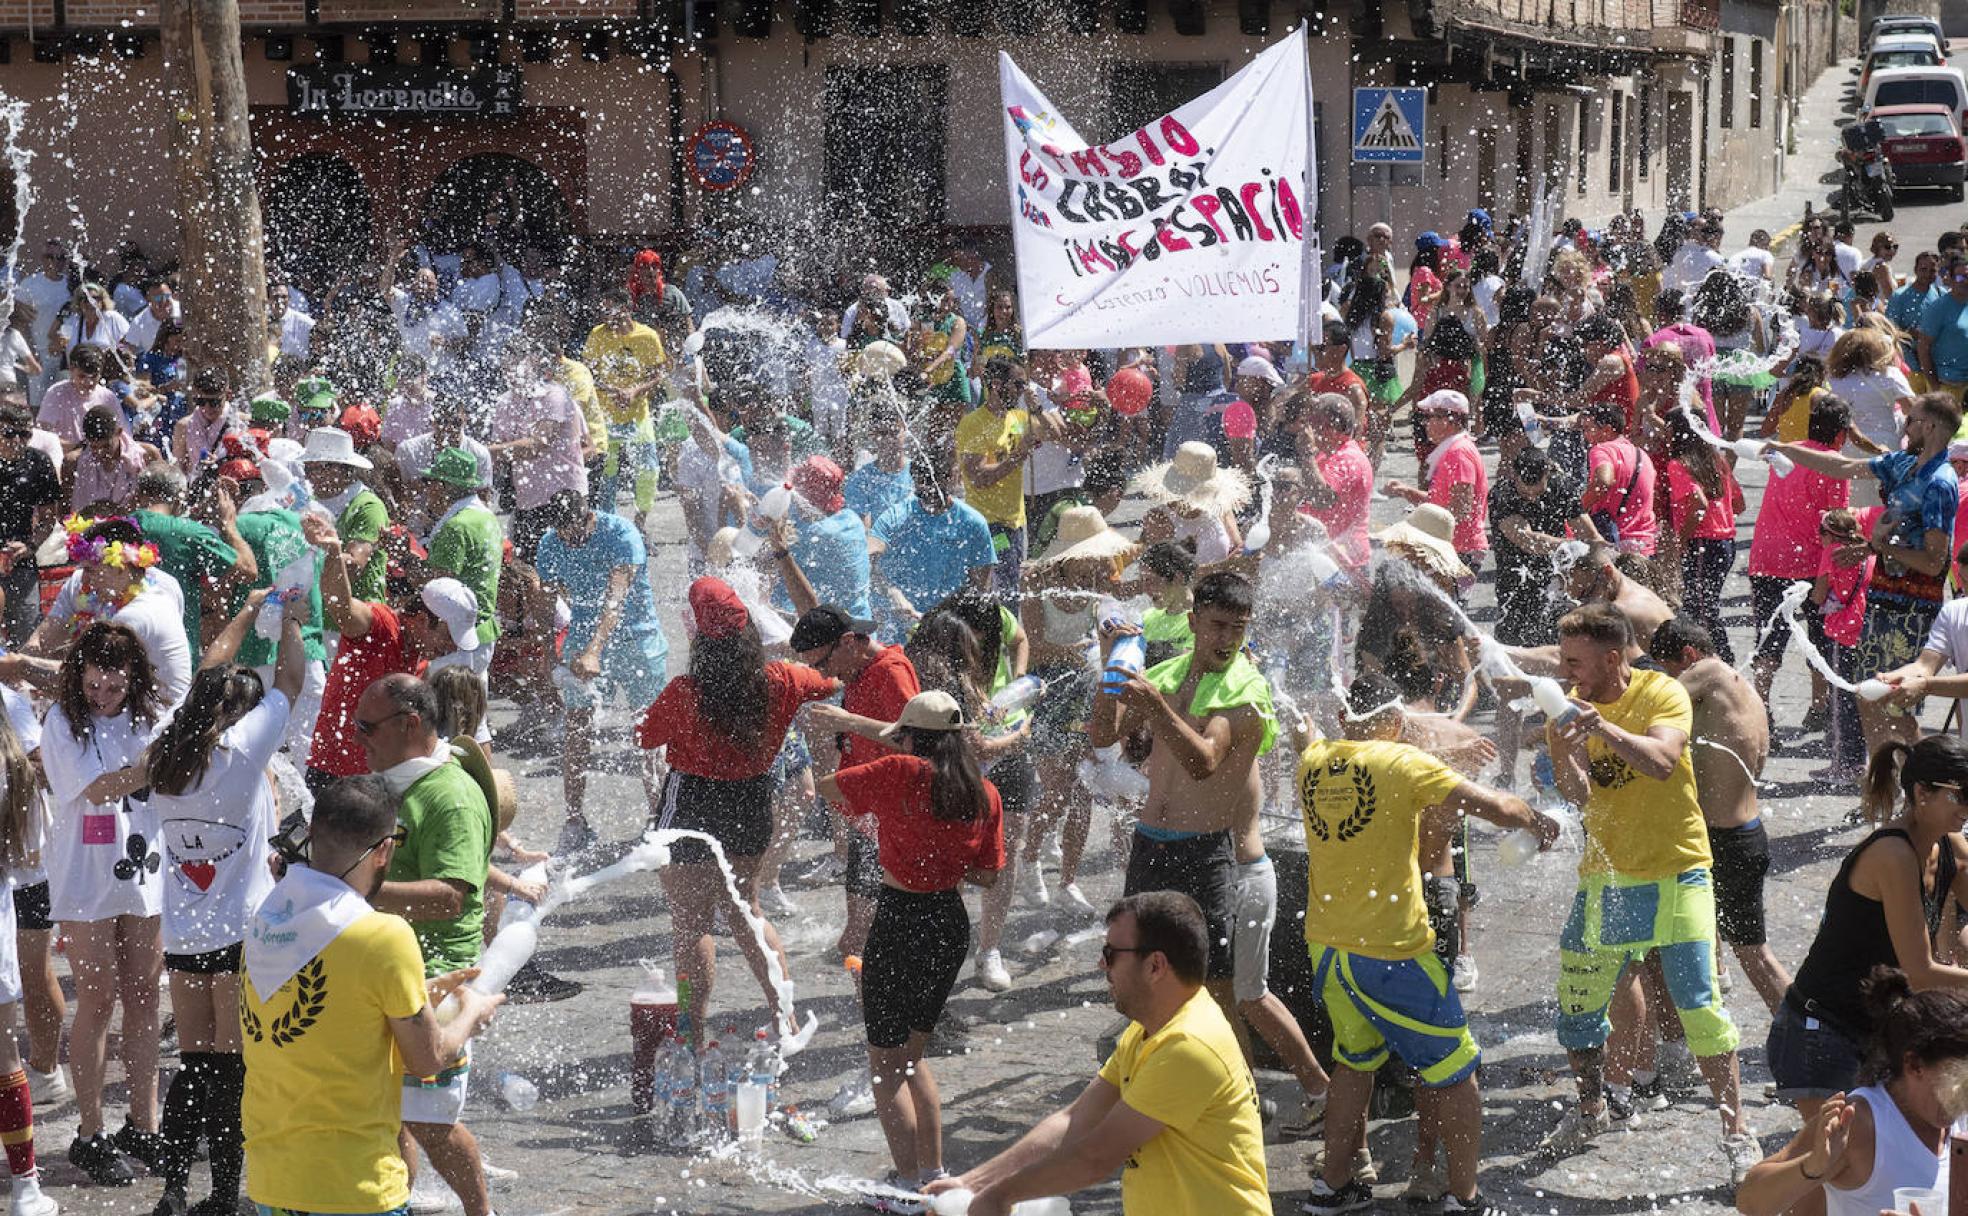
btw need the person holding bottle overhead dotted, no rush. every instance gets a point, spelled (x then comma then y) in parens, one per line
(941, 824)
(216, 811)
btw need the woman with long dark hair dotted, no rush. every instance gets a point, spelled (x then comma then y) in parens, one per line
(721, 727)
(941, 824)
(104, 888)
(1370, 339)
(1882, 909)
(216, 809)
(1890, 1134)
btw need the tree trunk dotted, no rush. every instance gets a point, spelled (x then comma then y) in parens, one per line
(223, 248)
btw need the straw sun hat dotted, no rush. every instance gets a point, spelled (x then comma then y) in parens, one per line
(1193, 479)
(1426, 540)
(1083, 533)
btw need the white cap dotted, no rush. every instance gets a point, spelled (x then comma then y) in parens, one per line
(457, 606)
(1257, 367)
(332, 445)
(1446, 400)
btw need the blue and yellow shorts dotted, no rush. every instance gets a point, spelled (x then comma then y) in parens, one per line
(1407, 1004)
(1615, 922)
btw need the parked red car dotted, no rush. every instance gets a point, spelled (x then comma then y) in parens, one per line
(1925, 147)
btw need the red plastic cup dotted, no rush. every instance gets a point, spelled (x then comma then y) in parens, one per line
(651, 1024)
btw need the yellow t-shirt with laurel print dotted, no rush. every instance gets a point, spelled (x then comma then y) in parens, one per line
(1363, 804)
(1636, 826)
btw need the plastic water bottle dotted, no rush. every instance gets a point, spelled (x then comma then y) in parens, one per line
(517, 1092)
(510, 948)
(679, 1069)
(1873, 689)
(1552, 700)
(1325, 571)
(763, 1067)
(1533, 427)
(1129, 654)
(957, 1203)
(652, 1023)
(1017, 695)
(1779, 463)
(714, 1073)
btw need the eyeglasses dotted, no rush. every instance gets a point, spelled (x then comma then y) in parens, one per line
(397, 837)
(370, 728)
(17, 433)
(1107, 953)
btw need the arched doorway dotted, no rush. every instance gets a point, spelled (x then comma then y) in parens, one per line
(317, 219)
(503, 198)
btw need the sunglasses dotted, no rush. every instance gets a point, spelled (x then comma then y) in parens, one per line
(13, 432)
(370, 728)
(1109, 953)
(397, 838)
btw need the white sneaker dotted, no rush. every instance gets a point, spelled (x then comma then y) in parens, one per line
(497, 1175)
(1743, 1151)
(991, 973)
(1465, 973)
(855, 1097)
(776, 902)
(431, 1196)
(1574, 1132)
(30, 1200)
(1077, 898)
(1052, 850)
(50, 1089)
(1032, 885)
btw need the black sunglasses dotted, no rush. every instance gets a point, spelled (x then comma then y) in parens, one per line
(1107, 953)
(370, 728)
(18, 433)
(396, 838)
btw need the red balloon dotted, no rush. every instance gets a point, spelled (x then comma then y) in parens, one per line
(1130, 391)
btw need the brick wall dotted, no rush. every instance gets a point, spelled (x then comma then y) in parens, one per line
(392, 10)
(573, 10)
(17, 14)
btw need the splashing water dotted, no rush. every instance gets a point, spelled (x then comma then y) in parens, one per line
(13, 116)
(1788, 607)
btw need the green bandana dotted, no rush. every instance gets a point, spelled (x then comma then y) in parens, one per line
(1238, 684)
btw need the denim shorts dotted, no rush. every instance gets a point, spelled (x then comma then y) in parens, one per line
(1809, 1057)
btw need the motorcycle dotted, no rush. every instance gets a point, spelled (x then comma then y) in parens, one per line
(1868, 184)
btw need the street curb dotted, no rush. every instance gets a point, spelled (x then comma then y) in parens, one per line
(1778, 238)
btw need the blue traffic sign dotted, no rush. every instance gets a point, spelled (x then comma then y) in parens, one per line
(1388, 125)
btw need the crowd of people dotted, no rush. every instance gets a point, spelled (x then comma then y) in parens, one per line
(959, 601)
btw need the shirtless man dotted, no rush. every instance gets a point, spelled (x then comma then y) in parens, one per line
(1208, 713)
(1731, 742)
(1595, 579)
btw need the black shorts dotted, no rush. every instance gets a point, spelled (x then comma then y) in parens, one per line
(864, 873)
(31, 909)
(737, 814)
(1202, 867)
(223, 961)
(916, 948)
(1742, 862)
(1766, 591)
(1017, 782)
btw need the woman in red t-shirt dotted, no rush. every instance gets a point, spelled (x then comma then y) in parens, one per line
(1703, 499)
(941, 823)
(721, 727)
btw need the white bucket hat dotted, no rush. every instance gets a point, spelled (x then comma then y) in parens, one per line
(332, 445)
(1426, 538)
(457, 606)
(1083, 532)
(1195, 480)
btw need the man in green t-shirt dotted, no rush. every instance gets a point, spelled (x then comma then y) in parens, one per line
(466, 543)
(436, 881)
(187, 550)
(360, 516)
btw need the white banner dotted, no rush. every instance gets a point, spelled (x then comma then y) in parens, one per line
(1192, 229)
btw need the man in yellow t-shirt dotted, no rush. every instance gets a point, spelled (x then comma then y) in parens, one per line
(1368, 801)
(1644, 882)
(345, 1015)
(1175, 1104)
(627, 359)
(992, 442)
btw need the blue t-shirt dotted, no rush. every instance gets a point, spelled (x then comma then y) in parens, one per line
(929, 556)
(583, 571)
(1919, 498)
(833, 553)
(1905, 306)
(870, 491)
(1945, 321)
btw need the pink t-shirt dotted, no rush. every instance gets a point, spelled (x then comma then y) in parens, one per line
(1845, 598)
(1696, 345)
(1635, 517)
(1347, 470)
(1072, 382)
(62, 407)
(1462, 465)
(1719, 521)
(558, 466)
(1961, 519)
(1783, 543)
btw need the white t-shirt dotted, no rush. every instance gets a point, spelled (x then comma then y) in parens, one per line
(1692, 263)
(1815, 343)
(47, 295)
(157, 618)
(87, 840)
(697, 470)
(440, 320)
(1871, 395)
(1753, 263)
(414, 456)
(1848, 257)
(142, 334)
(128, 298)
(294, 330)
(1948, 637)
(1053, 466)
(13, 350)
(27, 729)
(108, 332)
(215, 837)
(1488, 294)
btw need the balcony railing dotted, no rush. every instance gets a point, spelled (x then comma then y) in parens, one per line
(1701, 14)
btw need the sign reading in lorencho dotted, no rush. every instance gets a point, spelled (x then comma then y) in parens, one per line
(406, 90)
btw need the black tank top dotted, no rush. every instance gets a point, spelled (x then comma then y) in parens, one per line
(1852, 939)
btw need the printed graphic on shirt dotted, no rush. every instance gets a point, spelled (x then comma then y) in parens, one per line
(139, 859)
(197, 846)
(1339, 791)
(310, 989)
(1610, 771)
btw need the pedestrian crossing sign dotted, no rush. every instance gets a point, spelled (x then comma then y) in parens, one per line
(1388, 125)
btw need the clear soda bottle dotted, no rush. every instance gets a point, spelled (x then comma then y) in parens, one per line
(714, 1073)
(763, 1066)
(681, 1066)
